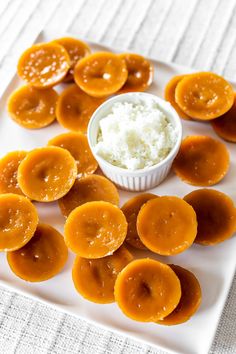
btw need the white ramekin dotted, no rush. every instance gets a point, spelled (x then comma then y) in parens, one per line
(142, 179)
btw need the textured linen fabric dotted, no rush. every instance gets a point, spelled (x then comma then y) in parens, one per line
(196, 33)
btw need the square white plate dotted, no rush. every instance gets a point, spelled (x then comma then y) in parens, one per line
(214, 266)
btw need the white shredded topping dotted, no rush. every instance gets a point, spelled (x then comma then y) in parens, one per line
(135, 135)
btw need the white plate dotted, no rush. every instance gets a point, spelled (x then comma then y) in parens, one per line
(214, 266)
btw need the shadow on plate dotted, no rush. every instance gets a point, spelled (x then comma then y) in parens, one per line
(211, 285)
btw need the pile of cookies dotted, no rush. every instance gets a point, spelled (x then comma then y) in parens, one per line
(104, 270)
(203, 96)
(66, 60)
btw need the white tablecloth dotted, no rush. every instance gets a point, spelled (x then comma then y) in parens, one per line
(196, 33)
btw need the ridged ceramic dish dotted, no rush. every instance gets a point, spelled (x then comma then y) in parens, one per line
(142, 179)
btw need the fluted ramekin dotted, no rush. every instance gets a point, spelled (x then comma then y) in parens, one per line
(142, 179)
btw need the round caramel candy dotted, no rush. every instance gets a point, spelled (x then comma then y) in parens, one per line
(216, 215)
(190, 300)
(225, 126)
(101, 74)
(170, 95)
(167, 225)
(131, 209)
(201, 161)
(8, 172)
(43, 65)
(204, 95)
(77, 145)
(75, 108)
(95, 229)
(147, 290)
(95, 279)
(42, 257)
(47, 174)
(76, 50)
(140, 73)
(32, 108)
(18, 221)
(88, 189)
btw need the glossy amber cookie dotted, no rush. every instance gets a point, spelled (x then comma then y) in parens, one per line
(32, 108)
(101, 74)
(75, 108)
(140, 73)
(88, 189)
(42, 257)
(76, 50)
(147, 290)
(190, 300)
(225, 126)
(47, 174)
(201, 160)
(204, 95)
(169, 95)
(167, 225)
(77, 145)
(8, 172)
(95, 279)
(95, 229)
(18, 221)
(216, 215)
(43, 65)
(131, 209)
